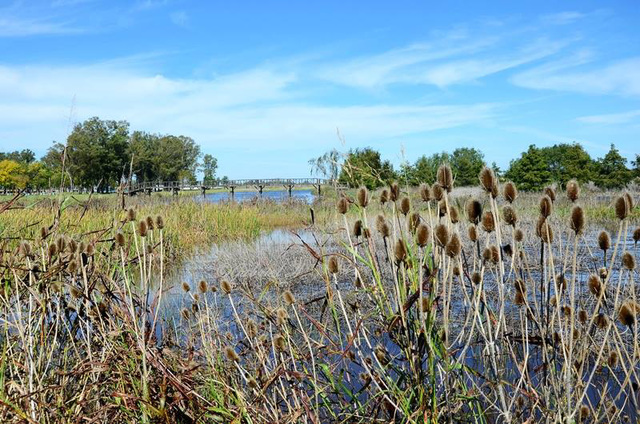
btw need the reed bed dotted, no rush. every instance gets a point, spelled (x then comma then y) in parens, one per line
(424, 308)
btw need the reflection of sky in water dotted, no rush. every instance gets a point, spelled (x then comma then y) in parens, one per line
(241, 196)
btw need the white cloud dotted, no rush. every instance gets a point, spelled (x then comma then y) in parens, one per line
(611, 118)
(179, 18)
(562, 18)
(13, 26)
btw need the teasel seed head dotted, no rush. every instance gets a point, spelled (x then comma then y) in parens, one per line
(442, 235)
(629, 199)
(473, 233)
(636, 235)
(518, 235)
(573, 190)
(567, 311)
(333, 264)
(61, 243)
(73, 266)
(282, 316)
(381, 354)
(131, 215)
(553, 301)
(486, 254)
(453, 247)
(186, 287)
(422, 235)
(488, 222)
(510, 192)
(394, 192)
(520, 298)
(400, 251)
(445, 177)
(487, 180)
(363, 197)
(582, 316)
(442, 209)
(627, 313)
(476, 278)
(495, 254)
(343, 205)
(473, 211)
(289, 298)
(546, 206)
(150, 224)
(44, 233)
(90, 250)
(142, 228)
(226, 286)
(622, 208)
(456, 271)
(414, 221)
(577, 219)
(437, 191)
(184, 312)
(405, 206)
(280, 343)
(159, 222)
(425, 192)
(507, 250)
(383, 226)
(561, 283)
(584, 413)
(612, 361)
(603, 273)
(120, 239)
(549, 191)
(202, 286)
(357, 228)
(595, 285)
(231, 354)
(629, 261)
(544, 230)
(509, 215)
(384, 196)
(252, 328)
(520, 286)
(53, 249)
(453, 214)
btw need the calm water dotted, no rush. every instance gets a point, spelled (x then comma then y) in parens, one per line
(277, 195)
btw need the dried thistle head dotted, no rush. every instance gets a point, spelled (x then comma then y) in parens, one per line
(363, 197)
(628, 312)
(422, 235)
(573, 190)
(150, 224)
(488, 222)
(629, 261)
(476, 278)
(442, 235)
(595, 285)
(544, 230)
(202, 286)
(445, 177)
(582, 316)
(577, 220)
(384, 196)
(604, 240)
(425, 192)
(394, 192)
(612, 361)
(383, 226)
(405, 206)
(495, 254)
(509, 215)
(473, 211)
(622, 208)
(518, 235)
(53, 249)
(226, 286)
(131, 215)
(231, 354)
(120, 239)
(159, 222)
(519, 298)
(186, 287)
(453, 214)
(357, 228)
(546, 206)
(333, 265)
(280, 343)
(601, 321)
(282, 316)
(629, 200)
(549, 191)
(636, 235)
(454, 247)
(510, 192)
(343, 205)
(288, 297)
(142, 228)
(473, 233)
(413, 222)
(487, 180)
(400, 251)
(437, 191)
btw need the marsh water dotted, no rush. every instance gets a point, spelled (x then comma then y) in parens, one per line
(306, 195)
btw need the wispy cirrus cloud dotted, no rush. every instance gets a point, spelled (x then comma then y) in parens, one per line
(611, 118)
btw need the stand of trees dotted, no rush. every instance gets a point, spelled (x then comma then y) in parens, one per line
(533, 170)
(101, 153)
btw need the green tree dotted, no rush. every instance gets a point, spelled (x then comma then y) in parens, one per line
(568, 161)
(327, 165)
(365, 167)
(11, 174)
(466, 164)
(176, 158)
(209, 167)
(612, 171)
(143, 150)
(530, 171)
(636, 166)
(424, 169)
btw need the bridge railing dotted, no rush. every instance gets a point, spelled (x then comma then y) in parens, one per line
(145, 186)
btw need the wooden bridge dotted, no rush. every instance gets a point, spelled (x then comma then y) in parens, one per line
(259, 185)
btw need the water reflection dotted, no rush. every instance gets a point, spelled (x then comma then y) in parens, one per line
(277, 195)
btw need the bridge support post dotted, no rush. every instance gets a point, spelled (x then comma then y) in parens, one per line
(233, 192)
(260, 188)
(204, 191)
(289, 188)
(319, 188)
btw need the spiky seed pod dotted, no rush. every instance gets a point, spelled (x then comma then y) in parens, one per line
(90, 250)
(584, 413)
(384, 196)
(282, 316)
(120, 239)
(636, 235)
(61, 243)
(629, 200)
(332, 265)
(53, 249)
(487, 179)
(44, 233)
(549, 191)
(437, 191)
(486, 254)
(252, 328)
(544, 230)
(442, 235)
(582, 316)
(553, 301)
(509, 215)
(622, 208)
(577, 219)
(595, 285)
(150, 224)
(520, 286)
(280, 343)
(453, 247)
(518, 235)
(573, 190)
(473, 233)
(488, 222)
(363, 197)
(627, 314)
(381, 354)
(366, 233)
(612, 361)
(445, 177)
(72, 247)
(400, 251)
(394, 192)
(453, 214)
(231, 354)
(567, 311)
(604, 240)
(73, 267)
(195, 308)
(159, 222)
(142, 228)
(288, 297)
(357, 228)
(519, 299)
(202, 286)
(186, 287)
(456, 271)
(546, 206)
(383, 226)
(442, 209)
(476, 278)
(131, 215)
(343, 205)
(405, 206)
(24, 249)
(510, 192)
(561, 283)
(422, 235)
(474, 211)
(495, 254)
(628, 261)
(413, 222)
(184, 312)
(425, 192)
(494, 190)
(507, 249)
(225, 286)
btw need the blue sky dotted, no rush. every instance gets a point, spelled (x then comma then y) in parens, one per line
(266, 85)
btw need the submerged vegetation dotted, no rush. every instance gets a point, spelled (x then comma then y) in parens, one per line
(426, 307)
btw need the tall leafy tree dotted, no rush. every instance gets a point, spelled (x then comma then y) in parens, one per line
(143, 150)
(366, 167)
(209, 167)
(328, 165)
(568, 161)
(424, 169)
(530, 171)
(177, 158)
(466, 164)
(612, 171)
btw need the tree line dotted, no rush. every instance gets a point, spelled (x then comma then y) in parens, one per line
(533, 170)
(101, 154)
